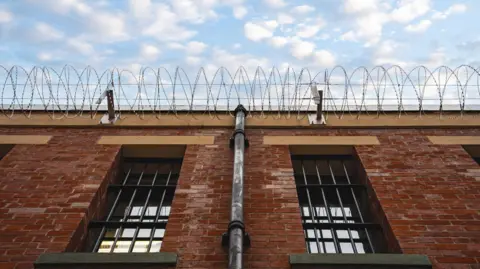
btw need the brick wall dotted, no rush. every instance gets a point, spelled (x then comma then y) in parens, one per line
(429, 194)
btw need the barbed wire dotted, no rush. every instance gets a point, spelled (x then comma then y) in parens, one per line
(70, 92)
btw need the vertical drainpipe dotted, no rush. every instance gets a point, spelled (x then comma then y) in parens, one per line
(236, 238)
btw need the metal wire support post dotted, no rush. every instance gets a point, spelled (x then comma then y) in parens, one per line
(317, 95)
(111, 116)
(236, 238)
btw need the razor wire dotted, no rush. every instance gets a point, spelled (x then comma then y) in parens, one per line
(70, 92)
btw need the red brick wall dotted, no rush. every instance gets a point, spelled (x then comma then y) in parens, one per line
(429, 194)
(46, 191)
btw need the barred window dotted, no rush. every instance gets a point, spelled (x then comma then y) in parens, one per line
(334, 206)
(4, 149)
(473, 151)
(138, 207)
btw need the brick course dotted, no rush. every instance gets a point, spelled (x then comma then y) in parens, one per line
(430, 195)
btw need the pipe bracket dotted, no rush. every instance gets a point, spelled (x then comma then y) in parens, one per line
(235, 133)
(236, 225)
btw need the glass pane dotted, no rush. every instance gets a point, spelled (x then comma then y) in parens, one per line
(105, 246)
(343, 234)
(313, 247)
(346, 248)
(355, 234)
(330, 247)
(159, 233)
(359, 247)
(136, 211)
(151, 211)
(144, 232)
(140, 246)
(128, 232)
(306, 211)
(156, 245)
(327, 234)
(122, 246)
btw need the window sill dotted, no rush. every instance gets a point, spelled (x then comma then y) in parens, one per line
(327, 261)
(73, 260)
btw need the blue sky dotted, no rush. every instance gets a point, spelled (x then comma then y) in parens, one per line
(192, 34)
(212, 33)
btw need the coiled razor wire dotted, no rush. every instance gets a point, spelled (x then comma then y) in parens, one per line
(69, 92)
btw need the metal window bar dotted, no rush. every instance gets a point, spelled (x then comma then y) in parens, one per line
(137, 218)
(334, 206)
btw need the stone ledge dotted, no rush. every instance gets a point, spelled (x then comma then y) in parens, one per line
(359, 261)
(55, 260)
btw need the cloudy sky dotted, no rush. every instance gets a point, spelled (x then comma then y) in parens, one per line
(212, 33)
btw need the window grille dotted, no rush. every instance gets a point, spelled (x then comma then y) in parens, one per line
(335, 206)
(138, 207)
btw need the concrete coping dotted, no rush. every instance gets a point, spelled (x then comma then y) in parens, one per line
(359, 260)
(50, 260)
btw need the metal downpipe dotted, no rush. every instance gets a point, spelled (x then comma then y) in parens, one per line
(236, 227)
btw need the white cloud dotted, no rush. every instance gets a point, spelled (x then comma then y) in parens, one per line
(175, 45)
(5, 16)
(436, 58)
(195, 47)
(237, 45)
(193, 60)
(386, 48)
(98, 24)
(44, 32)
(283, 18)
(80, 46)
(303, 9)
(233, 61)
(368, 27)
(302, 49)
(311, 29)
(44, 56)
(140, 8)
(275, 3)
(165, 26)
(194, 11)
(107, 27)
(65, 6)
(149, 52)
(421, 27)
(408, 10)
(386, 53)
(278, 41)
(239, 12)
(191, 48)
(259, 31)
(454, 9)
(364, 6)
(368, 16)
(325, 59)
(324, 36)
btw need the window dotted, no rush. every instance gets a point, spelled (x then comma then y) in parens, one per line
(473, 151)
(4, 149)
(334, 206)
(138, 207)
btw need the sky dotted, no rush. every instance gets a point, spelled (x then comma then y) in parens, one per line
(209, 34)
(212, 33)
